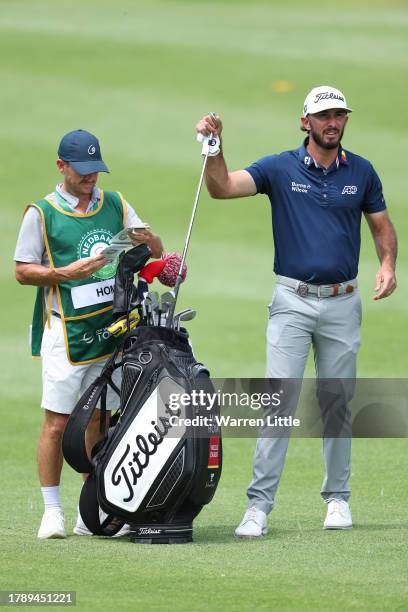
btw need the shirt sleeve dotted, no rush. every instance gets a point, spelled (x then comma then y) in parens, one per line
(131, 217)
(30, 247)
(373, 197)
(263, 173)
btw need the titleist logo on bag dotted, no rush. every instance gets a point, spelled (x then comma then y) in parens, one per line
(142, 451)
(148, 531)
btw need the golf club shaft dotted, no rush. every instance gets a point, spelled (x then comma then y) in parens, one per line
(183, 258)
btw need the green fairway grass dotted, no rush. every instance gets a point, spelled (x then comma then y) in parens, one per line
(140, 74)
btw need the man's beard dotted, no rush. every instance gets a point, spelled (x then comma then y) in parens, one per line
(325, 145)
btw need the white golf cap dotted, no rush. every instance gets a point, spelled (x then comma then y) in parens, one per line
(322, 98)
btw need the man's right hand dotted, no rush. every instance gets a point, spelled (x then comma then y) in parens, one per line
(42, 276)
(221, 183)
(82, 268)
(209, 125)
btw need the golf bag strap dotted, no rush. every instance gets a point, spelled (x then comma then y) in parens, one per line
(73, 441)
(104, 391)
(112, 384)
(89, 510)
(102, 411)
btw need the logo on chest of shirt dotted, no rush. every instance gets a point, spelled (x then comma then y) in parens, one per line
(93, 243)
(349, 190)
(300, 187)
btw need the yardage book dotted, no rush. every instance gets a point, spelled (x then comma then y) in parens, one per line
(120, 242)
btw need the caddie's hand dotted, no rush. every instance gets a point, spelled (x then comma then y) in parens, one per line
(385, 282)
(210, 125)
(83, 268)
(141, 236)
(146, 236)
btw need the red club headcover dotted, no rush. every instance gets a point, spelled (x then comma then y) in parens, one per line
(152, 270)
(168, 275)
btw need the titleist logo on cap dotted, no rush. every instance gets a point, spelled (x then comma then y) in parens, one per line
(327, 95)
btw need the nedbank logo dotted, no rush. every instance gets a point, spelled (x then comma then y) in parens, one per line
(91, 244)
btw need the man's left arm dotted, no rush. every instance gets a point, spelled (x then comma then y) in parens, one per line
(385, 240)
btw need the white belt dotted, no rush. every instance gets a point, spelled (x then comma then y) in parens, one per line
(322, 291)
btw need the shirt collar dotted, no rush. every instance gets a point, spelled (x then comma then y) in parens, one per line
(73, 201)
(306, 158)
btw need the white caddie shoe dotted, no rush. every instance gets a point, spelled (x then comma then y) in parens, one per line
(253, 525)
(338, 515)
(52, 525)
(82, 530)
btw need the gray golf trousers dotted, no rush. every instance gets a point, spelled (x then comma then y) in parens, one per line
(332, 326)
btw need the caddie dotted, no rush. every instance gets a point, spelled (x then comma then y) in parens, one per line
(59, 250)
(318, 193)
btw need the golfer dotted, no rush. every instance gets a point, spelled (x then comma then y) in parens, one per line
(317, 194)
(59, 250)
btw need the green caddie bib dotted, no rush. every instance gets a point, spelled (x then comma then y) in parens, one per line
(85, 305)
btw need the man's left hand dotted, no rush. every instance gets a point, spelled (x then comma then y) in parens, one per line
(146, 236)
(140, 236)
(385, 282)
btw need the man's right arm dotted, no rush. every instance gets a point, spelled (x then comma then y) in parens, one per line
(32, 266)
(41, 276)
(221, 183)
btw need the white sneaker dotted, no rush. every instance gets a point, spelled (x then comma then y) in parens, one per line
(253, 525)
(82, 530)
(52, 524)
(338, 515)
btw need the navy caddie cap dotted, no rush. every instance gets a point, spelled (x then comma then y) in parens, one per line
(81, 149)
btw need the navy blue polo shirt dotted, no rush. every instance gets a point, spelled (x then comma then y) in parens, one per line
(316, 212)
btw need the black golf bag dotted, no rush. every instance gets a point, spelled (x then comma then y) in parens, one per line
(154, 468)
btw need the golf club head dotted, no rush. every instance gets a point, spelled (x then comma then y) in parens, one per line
(166, 300)
(188, 314)
(152, 305)
(155, 306)
(168, 296)
(149, 306)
